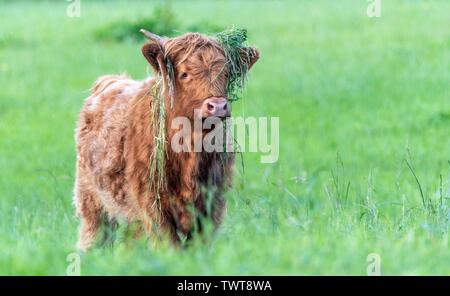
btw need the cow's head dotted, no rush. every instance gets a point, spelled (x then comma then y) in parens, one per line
(199, 70)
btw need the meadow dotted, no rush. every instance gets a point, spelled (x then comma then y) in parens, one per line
(364, 164)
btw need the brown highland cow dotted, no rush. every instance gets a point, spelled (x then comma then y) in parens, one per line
(117, 133)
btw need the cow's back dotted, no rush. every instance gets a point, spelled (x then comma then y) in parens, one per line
(100, 137)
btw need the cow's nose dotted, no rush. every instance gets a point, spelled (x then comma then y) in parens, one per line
(216, 106)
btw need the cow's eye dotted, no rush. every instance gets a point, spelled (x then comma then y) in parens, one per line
(183, 75)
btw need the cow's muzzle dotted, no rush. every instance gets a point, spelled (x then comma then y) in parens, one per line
(217, 107)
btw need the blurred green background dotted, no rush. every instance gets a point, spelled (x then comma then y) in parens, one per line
(364, 135)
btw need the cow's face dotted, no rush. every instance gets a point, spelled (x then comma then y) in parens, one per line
(201, 80)
(200, 72)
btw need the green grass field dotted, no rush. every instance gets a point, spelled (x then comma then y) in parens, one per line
(358, 99)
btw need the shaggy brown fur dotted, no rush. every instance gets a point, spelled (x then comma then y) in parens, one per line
(115, 138)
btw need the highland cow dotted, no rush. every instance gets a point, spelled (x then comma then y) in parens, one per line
(125, 168)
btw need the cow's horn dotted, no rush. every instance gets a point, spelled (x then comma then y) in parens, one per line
(152, 36)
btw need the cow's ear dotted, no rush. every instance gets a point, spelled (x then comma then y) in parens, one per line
(153, 50)
(251, 56)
